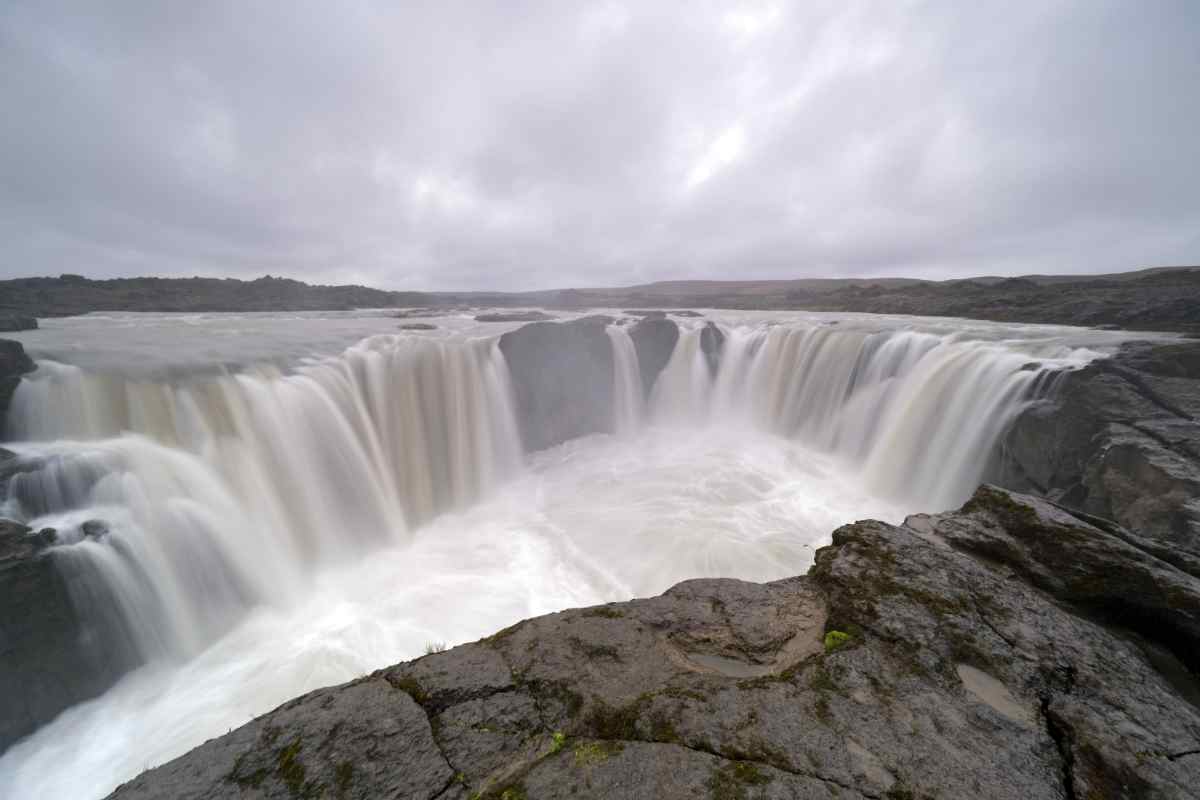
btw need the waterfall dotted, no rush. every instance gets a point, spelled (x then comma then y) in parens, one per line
(219, 494)
(249, 536)
(627, 388)
(913, 415)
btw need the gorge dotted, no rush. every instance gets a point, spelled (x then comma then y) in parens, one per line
(196, 540)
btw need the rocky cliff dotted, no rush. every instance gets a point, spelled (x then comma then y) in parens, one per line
(14, 362)
(1009, 649)
(1119, 439)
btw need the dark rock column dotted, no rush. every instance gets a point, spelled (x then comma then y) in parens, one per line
(562, 376)
(654, 339)
(14, 362)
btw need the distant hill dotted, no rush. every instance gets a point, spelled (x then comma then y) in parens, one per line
(1160, 298)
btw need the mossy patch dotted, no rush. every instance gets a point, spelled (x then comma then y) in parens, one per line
(835, 640)
(607, 612)
(595, 651)
(589, 754)
(733, 780)
(343, 779)
(410, 686)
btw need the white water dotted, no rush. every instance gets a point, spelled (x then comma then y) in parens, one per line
(628, 395)
(272, 533)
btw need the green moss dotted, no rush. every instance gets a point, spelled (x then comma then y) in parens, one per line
(662, 729)
(596, 651)
(607, 722)
(289, 768)
(731, 781)
(821, 709)
(821, 679)
(589, 754)
(410, 686)
(604, 611)
(516, 792)
(501, 635)
(835, 640)
(677, 693)
(343, 777)
(558, 740)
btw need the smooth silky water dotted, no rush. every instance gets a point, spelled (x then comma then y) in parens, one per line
(295, 500)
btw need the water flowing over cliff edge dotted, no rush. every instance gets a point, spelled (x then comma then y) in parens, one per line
(248, 535)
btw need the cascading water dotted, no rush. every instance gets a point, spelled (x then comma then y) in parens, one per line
(627, 383)
(271, 532)
(226, 493)
(914, 415)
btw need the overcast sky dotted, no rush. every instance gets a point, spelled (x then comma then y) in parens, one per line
(523, 144)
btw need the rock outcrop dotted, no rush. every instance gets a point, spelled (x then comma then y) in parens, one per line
(562, 376)
(654, 339)
(45, 648)
(1007, 650)
(1119, 439)
(14, 362)
(17, 322)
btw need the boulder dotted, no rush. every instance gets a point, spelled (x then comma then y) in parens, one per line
(562, 377)
(654, 338)
(975, 653)
(418, 326)
(17, 322)
(1119, 439)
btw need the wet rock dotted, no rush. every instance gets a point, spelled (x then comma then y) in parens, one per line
(1119, 439)
(49, 659)
(654, 339)
(516, 316)
(712, 340)
(418, 326)
(562, 376)
(17, 322)
(94, 529)
(646, 314)
(686, 313)
(975, 653)
(14, 362)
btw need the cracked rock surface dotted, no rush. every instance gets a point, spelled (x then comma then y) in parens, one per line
(1010, 649)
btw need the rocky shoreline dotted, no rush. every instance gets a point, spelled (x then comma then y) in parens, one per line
(1009, 649)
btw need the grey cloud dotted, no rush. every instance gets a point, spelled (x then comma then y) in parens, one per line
(534, 144)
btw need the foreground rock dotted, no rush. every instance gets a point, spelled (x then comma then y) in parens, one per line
(1007, 650)
(1119, 439)
(14, 362)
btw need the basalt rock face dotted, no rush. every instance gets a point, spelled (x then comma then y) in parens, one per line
(14, 362)
(1119, 439)
(562, 376)
(1006, 650)
(17, 322)
(50, 658)
(654, 339)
